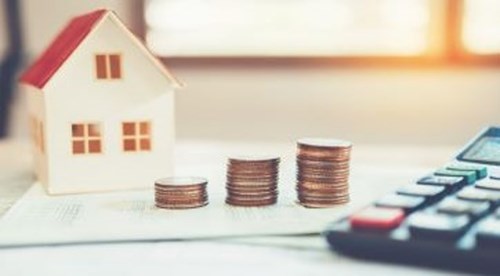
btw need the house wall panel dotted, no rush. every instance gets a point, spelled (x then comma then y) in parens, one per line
(36, 110)
(75, 95)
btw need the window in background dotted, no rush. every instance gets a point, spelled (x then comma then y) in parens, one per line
(288, 28)
(481, 31)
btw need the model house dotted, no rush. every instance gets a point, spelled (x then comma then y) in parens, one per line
(101, 109)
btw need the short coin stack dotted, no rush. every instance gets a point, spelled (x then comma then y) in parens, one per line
(252, 181)
(323, 172)
(181, 192)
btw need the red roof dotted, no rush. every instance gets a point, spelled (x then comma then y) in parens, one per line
(61, 48)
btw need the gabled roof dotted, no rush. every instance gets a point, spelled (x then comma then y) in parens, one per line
(68, 40)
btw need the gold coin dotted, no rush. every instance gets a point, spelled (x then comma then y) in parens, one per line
(321, 165)
(332, 174)
(322, 205)
(328, 189)
(323, 158)
(254, 159)
(326, 180)
(257, 194)
(180, 191)
(252, 177)
(181, 206)
(252, 182)
(322, 197)
(252, 172)
(176, 196)
(251, 189)
(252, 203)
(184, 182)
(323, 143)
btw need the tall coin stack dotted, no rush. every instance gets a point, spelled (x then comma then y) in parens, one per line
(252, 182)
(181, 192)
(323, 172)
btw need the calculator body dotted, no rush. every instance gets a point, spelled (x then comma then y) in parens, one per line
(433, 233)
(483, 149)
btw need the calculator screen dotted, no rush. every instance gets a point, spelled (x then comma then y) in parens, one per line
(485, 150)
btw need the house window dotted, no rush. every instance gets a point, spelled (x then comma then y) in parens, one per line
(86, 138)
(136, 136)
(108, 66)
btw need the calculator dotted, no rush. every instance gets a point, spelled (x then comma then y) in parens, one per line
(447, 219)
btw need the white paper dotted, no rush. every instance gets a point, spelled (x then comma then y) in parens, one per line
(191, 258)
(38, 218)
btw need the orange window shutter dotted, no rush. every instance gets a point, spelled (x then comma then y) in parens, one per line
(115, 66)
(129, 145)
(100, 63)
(77, 130)
(145, 144)
(144, 128)
(78, 147)
(128, 128)
(94, 146)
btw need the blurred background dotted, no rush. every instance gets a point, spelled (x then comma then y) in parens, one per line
(423, 72)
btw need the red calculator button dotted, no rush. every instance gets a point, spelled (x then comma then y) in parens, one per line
(377, 218)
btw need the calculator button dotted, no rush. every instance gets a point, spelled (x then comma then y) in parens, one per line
(437, 225)
(407, 203)
(428, 191)
(488, 233)
(451, 183)
(454, 206)
(481, 171)
(475, 194)
(377, 218)
(489, 184)
(470, 176)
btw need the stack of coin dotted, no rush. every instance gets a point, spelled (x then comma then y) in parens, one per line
(181, 192)
(252, 181)
(323, 172)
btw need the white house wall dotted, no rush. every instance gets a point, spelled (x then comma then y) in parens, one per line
(74, 95)
(36, 110)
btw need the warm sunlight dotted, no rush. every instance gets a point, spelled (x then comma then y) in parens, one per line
(299, 28)
(481, 33)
